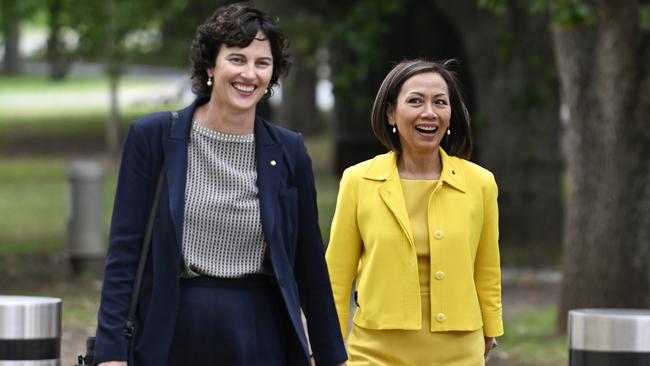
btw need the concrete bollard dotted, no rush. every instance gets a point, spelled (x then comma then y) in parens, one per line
(30, 331)
(85, 216)
(609, 337)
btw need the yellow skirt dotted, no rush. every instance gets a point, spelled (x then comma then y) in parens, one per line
(397, 347)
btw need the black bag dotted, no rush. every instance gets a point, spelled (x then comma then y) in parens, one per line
(89, 358)
(129, 327)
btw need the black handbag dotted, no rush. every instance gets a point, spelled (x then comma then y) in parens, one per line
(129, 327)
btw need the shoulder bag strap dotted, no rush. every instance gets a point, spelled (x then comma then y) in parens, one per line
(146, 243)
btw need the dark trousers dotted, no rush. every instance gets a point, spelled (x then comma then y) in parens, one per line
(233, 322)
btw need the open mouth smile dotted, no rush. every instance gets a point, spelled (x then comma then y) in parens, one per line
(427, 130)
(247, 89)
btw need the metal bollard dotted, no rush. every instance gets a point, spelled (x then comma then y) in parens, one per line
(609, 337)
(30, 331)
(85, 216)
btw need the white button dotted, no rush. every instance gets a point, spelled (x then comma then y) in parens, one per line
(440, 275)
(438, 234)
(273, 163)
(440, 317)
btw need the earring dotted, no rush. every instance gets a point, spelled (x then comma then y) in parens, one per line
(209, 82)
(266, 91)
(448, 131)
(394, 129)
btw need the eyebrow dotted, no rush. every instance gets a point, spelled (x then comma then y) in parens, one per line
(244, 56)
(422, 95)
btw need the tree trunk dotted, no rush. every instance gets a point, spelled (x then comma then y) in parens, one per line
(298, 110)
(55, 46)
(11, 31)
(605, 88)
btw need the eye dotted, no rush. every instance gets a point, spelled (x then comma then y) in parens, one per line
(441, 102)
(264, 63)
(414, 100)
(237, 60)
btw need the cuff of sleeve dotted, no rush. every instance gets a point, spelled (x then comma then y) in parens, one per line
(110, 351)
(492, 326)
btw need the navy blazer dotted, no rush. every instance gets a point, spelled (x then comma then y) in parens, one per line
(289, 220)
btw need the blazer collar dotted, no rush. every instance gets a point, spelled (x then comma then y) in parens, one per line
(270, 162)
(384, 167)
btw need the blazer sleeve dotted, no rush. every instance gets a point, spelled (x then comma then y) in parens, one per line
(131, 208)
(344, 248)
(310, 270)
(487, 270)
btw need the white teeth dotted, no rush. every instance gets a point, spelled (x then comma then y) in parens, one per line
(244, 88)
(427, 128)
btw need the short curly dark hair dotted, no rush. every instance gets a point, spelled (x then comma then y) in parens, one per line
(235, 25)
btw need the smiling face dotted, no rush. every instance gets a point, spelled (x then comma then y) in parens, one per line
(421, 113)
(241, 75)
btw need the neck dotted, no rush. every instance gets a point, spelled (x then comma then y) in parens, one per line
(226, 120)
(419, 166)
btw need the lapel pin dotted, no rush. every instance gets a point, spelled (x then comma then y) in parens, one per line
(273, 163)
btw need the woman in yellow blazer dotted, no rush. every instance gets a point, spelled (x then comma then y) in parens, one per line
(417, 228)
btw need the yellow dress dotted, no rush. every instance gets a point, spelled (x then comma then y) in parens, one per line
(397, 347)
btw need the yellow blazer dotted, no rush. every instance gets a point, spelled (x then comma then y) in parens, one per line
(371, 241)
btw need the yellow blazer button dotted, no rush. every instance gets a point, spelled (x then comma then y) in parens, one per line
(440, 317)
(440, 275)
(438, 234)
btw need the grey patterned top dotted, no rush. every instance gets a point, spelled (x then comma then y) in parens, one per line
(222, 229)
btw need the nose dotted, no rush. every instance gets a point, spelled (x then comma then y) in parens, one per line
(428, 112)
(247, 72)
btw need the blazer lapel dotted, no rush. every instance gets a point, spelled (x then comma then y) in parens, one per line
(393, 196)
(384, 168)
(268, 154)
(175, 160)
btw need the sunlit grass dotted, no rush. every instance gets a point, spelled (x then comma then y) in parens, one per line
(42, 84)
(33, 199)
(530, 340)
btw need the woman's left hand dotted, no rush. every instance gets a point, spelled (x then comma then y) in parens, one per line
(490, 343)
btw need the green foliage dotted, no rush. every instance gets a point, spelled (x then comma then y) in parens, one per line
(644, 16)
(565, 13)
(504, 46)
(539, 6)
(13, 9)
(361, 31)
(571, 13)
(498, 7)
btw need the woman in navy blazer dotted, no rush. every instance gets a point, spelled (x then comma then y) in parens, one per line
(187, 315)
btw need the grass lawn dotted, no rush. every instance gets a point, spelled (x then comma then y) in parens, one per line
(33, 198)
(530, 340)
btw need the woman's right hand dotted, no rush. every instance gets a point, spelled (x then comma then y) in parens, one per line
(113, 363)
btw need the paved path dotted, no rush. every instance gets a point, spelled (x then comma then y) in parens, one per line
(147, 85)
